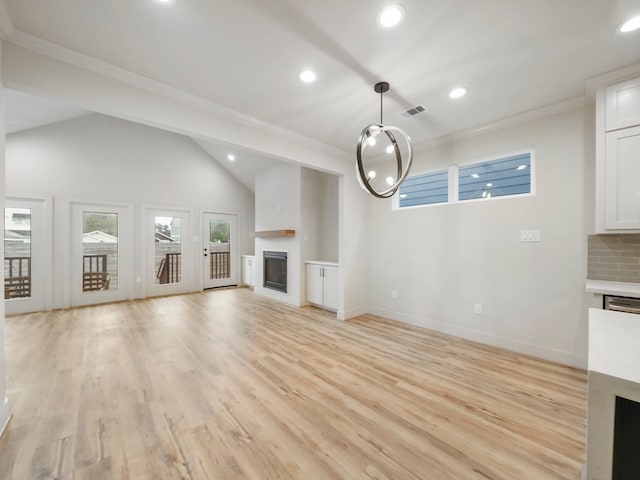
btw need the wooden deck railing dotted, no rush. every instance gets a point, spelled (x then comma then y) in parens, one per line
(17, 282)
(169, 269)
(94, 273)
(220, 265)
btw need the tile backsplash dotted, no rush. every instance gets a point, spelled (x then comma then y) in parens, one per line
(614, 257)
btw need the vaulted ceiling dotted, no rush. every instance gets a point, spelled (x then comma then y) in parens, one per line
(513, 56)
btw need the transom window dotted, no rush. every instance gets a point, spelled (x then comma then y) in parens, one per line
(495, 178)
(425, 189)
(500, 177)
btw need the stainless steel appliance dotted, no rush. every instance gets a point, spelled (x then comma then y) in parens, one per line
(621, 304)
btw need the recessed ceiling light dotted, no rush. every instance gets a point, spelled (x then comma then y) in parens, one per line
(458, 92)
(630, 25)
(390, 16)
(231, 157)
(308, 76)
(165, 1)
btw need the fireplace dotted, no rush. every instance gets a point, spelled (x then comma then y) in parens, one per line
(275, 270)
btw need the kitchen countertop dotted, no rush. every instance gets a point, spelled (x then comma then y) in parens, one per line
(614, 371)
(622, 289)
(614, 344)
(323, 262)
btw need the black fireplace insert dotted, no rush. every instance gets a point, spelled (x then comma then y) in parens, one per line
(275, 270)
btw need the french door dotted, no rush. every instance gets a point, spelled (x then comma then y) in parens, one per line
(168, 251)
(27, 256)
(219, 250)
(101, 257)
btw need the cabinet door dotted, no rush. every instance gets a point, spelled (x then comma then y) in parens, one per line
(622, 174)
(331, 287)
(314, 283)
(622, 105)
(247, 271)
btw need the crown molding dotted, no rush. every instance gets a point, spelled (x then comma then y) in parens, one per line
(514, 120)
(6, 25)
(85, 62)
(617, 75)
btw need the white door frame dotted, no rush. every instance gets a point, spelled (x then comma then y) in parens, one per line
(41, 255)
(234, 257)
(125, 253)
(152, 289)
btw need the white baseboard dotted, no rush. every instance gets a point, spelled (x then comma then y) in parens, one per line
(353, 312)
(5, 415)
(539, 351)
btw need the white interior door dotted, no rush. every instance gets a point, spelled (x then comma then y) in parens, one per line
(101, 253)
(169, 262)
(27, 256)
(219, 250)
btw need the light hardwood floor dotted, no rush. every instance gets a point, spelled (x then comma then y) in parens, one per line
(226, 384)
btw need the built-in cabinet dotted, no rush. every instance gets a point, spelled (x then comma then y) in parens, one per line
(618, 157)
(248, 270)
(322, 284)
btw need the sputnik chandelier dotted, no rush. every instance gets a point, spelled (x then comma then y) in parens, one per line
(368, 138)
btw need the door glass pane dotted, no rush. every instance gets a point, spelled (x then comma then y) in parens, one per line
(99, 251)
(17, 252)
(219, 251)
(168, 241)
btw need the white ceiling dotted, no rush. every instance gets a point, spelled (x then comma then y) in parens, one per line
(514, 56)
(246, 165)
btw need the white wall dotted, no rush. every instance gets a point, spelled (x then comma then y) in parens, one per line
(5, 410)
(128, 96)
(319, 220)
(329, 241)
(444, 259)
(294, 197)
(277, 198)
(103, 159)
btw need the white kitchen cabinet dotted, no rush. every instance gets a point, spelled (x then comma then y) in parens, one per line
(322, 284)
(248, 270)
(622, 105)
(618, 158)
(622, 179)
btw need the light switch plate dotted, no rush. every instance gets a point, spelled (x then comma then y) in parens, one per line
(529, 235)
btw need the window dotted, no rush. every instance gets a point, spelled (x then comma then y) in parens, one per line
(99, 251)
(501, 177)
(425, 189)
(17, 253)
(168, 250)
(495, 178)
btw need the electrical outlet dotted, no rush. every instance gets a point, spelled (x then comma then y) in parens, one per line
(529, 235)
(394, 294)
(477, 309)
